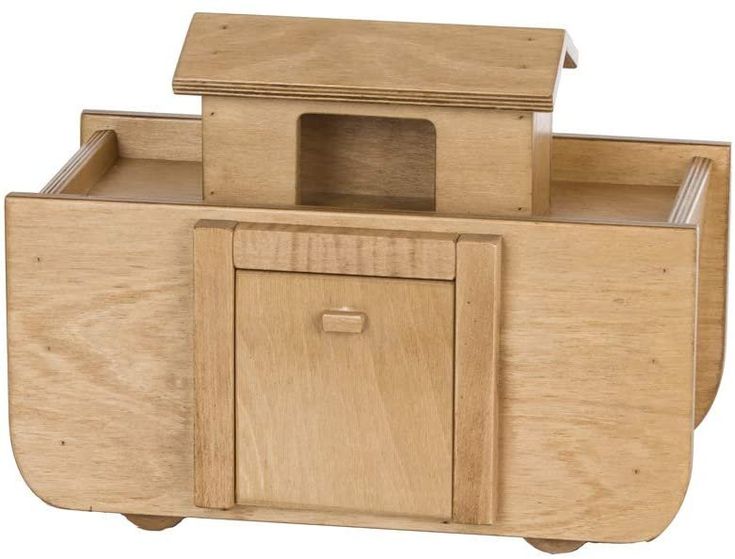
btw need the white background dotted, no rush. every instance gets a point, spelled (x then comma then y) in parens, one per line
(647, 68)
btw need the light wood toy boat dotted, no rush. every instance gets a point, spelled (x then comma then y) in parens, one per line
(369, 287)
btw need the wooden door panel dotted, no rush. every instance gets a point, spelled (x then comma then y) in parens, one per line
(349, 420)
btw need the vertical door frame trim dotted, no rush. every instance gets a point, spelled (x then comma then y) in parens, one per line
(476, 342)
(214, 365)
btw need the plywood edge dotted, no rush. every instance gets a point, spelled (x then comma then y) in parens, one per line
(544, 104)
(690, 199)
(705, 398)
(199, 70)
(88, 115)
(571, 54)
(638, 140)
(568, 59)
(93, 159)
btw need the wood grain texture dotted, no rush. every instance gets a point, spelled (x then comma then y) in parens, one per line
(214, 365)
(150, 180)
(598, 457)
(476, 378)
(369, 202)
(484, 159)
(541, 164)
(594, 179)
(87, 166)
(334, 250)
(393, 159)
(690, 199)
(154, 180)
(283, 57)
(169, 137)
(611, 203)
(660, 164)
(348, 422)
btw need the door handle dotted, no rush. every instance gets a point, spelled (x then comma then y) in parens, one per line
(347, 322)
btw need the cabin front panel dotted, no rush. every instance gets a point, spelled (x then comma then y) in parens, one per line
(451, 160)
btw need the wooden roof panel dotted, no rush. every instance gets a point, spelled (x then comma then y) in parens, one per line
(349, 60)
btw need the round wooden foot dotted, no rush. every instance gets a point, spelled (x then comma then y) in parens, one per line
(555, 546)
(153, 523)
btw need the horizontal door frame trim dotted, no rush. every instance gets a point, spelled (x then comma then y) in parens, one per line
(345, 251)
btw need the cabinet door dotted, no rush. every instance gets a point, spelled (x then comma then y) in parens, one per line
(344, 392)
(346, 369)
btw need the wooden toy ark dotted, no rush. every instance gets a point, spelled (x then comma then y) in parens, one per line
(369, 287)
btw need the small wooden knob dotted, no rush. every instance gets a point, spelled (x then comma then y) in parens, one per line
(347, 322)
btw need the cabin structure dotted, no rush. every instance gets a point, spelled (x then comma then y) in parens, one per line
(446, 118)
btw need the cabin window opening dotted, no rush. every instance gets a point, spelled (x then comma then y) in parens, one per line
(366, 162)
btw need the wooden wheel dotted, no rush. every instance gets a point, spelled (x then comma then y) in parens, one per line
(153, 523)
(555, 546)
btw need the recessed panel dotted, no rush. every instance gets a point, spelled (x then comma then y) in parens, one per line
(344, 420)
(368, 162)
